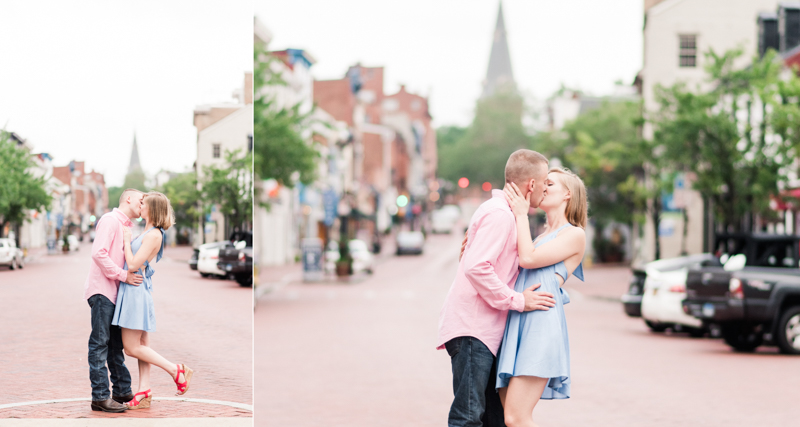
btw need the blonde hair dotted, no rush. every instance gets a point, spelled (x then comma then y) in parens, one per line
(524, 165)
(577, 205)
(161, 213)
(126, 193)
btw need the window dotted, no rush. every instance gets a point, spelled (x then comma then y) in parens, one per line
(216, 151)
(688, 51)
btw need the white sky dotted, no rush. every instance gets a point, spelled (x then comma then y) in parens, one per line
(77, 77)
(441, 47)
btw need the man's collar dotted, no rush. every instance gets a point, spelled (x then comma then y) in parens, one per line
(122, 217)
(498, 193)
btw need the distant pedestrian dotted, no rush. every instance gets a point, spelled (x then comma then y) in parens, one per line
(135, 312)
(105, 273)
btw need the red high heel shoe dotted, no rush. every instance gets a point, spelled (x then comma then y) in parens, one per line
(187, 373)
(141, 404)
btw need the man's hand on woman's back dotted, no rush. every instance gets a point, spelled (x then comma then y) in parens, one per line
(538, 300)
(133, 278)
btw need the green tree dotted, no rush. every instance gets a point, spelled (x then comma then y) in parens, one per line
(603, 146)
(114, 193)
(480, 152)
(135, 179)
(20, 190)
(184, 196)
(739, 138)
(230, 188)
(280, 150)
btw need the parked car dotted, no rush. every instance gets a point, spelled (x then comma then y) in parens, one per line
(410, 242)
(193, 259)
(74, 243)
(755, 296)
(10, 255)
(237, 260)
(207, 259)
(363, 260)
(664, 291)
(632, 300)
(444, 219)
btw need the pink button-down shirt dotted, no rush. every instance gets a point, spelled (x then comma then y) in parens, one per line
(108, 256)
(483, 290)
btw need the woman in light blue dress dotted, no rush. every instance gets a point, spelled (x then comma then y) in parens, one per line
(533, 362)
(134, 311)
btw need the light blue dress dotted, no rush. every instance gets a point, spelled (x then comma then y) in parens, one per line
(536, 342)
(135, 303)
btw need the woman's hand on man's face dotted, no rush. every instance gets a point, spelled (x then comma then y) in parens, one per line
(520, 205)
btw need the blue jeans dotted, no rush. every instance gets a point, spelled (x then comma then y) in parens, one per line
(105, 346)
(475, 402)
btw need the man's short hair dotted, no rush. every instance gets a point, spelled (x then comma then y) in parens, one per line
(126, 193)
(524, 165)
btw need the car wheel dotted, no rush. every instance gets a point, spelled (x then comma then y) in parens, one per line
(13, 263)
(244, 280)
(788, 332)
(655, 327)
(742, 338)
(696, 332)
(205, 275)
(369, 271)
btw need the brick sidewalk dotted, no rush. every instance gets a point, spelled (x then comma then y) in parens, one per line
(204, 323)
(159, 409)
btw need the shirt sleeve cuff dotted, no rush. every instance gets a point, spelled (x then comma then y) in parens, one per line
(123, 275)
(518, 302)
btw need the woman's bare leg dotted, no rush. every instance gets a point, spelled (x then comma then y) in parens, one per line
(522, 396)
(132, 343)
(144, 367)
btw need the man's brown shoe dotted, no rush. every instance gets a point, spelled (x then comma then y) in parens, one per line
(108, 405)
(123, 399)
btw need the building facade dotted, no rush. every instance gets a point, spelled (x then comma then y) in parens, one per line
(677, 34)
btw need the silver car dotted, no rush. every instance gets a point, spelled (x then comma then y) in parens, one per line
(10, 254)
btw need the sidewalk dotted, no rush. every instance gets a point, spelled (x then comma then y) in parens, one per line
(172, 422)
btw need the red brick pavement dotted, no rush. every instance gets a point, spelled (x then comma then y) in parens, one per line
(204, 323)
(362, 354)
(159, 409)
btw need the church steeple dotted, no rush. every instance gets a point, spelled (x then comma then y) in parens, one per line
(499, 76)
(134, 165)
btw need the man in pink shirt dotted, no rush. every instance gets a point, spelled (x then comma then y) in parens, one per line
(473, 318)
(105, 273)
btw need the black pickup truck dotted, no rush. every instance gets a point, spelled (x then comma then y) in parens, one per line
(237, 260)
(756, 304)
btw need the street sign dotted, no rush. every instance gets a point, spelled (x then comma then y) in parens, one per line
(312, 259)
(330, 201)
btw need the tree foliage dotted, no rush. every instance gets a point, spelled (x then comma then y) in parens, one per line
(20, 190)
(230, 188)
(184, 196)
(739, 138)
(480, 151)
(604, 148)
(280, 150)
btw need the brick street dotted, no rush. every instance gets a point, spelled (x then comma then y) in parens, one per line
(362, 354)
(204, 323)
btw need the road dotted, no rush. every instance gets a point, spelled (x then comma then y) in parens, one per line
(204, 323)
(362, 354)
